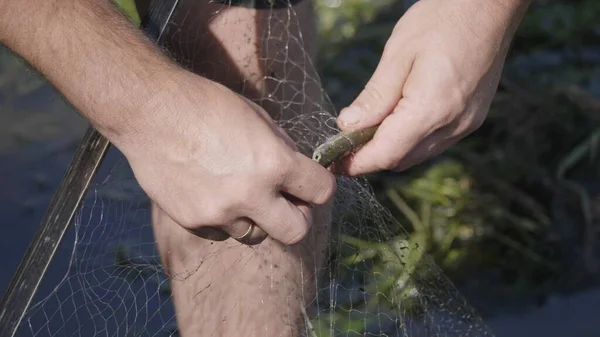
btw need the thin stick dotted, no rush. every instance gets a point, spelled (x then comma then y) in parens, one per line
(65, 203)
(63, 206)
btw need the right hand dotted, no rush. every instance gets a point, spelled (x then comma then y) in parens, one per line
(215, 162)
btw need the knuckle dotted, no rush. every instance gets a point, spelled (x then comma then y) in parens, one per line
(476, 122)
(326, 191)
(457, 103)
(212, 214)
(245, 197)
(187, 221)
(439, 116)
(447, 100)
(275, 167)
(469, 125)
(388, 163)
(443, 119)
(391, 153)
(296, 233)
(446, 112)
(371, 94)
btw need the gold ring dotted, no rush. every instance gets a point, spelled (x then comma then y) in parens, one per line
(248, 232)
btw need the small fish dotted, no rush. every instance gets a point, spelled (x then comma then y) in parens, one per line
(341, 145)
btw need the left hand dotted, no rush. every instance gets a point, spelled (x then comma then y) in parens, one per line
(435, 81)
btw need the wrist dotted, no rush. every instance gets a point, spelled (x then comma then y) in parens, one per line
(495, 21)
(136, 108)
(165, 112)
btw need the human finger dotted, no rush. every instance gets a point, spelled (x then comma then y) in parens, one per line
(246, 231)
(429, 102)
(243, 230)
(396, 136)
(381, 93)
(284, 220)
(431, 146)
(309, 181)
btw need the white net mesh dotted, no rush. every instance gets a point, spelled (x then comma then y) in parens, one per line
(374, 278)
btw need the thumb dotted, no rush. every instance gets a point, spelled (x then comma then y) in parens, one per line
(380, 95)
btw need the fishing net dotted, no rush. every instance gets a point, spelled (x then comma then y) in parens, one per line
(374, 279)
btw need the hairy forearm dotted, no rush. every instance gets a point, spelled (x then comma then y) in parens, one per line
(102, 64)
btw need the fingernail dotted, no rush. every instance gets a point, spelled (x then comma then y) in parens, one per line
(350, 115)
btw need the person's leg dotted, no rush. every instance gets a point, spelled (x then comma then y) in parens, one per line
(226, 288)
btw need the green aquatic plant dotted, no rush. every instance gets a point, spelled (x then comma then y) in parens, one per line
(129, 9)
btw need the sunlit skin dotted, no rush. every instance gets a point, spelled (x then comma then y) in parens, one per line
(213, 162)
(434, 83)
(225, 288)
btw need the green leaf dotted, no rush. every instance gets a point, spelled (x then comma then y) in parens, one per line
(128, 8)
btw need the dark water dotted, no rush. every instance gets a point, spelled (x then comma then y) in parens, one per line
(30, 171)
(83, 294)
